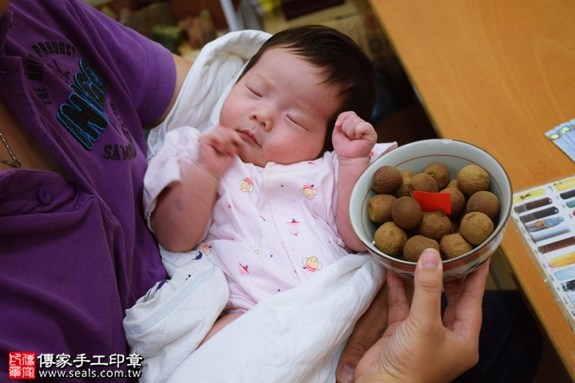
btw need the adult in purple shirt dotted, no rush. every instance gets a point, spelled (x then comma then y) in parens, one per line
(76, 90)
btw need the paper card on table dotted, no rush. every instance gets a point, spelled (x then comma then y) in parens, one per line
(570, 132)
(562, 260)
(566, 130)
(545, 216)
(564, 274)
(566, 184)
(518, 198)
(562, 136)
(532, 205)
(544, 224)
(547, 228)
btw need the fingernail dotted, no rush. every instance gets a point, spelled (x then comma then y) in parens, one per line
(429, 260)
(346, 374)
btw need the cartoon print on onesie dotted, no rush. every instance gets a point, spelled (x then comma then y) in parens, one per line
(243, 268)
(247, 185)
(293, 226)
(204, 250)
(309, 191)
(311, 264)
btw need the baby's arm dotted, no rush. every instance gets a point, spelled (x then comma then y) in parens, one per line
(353, 140)
(183, 209)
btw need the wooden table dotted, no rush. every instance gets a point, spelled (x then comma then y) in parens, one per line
(498, 74)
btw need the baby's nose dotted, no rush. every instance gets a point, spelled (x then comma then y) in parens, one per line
(262, 118)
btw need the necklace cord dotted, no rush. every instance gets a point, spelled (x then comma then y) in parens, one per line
(14, 163)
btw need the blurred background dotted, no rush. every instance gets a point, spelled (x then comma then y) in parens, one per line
(185, 26)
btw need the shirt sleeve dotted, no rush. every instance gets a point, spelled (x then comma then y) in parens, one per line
(145, 68)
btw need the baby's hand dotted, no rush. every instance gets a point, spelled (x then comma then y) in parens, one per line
(353, 137)
(218, 149)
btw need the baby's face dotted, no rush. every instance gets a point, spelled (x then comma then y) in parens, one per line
(280, 108)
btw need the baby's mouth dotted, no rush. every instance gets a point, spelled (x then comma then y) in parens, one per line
(248, 137)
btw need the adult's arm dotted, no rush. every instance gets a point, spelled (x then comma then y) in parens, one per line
(183, 66)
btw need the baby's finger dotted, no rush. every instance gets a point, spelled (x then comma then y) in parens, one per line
(366, 130)
(343, 118)
(221, 140)
(235, 142)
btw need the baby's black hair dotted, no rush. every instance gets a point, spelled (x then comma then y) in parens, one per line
(341, 61)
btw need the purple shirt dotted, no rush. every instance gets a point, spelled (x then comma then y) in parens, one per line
(74, 254)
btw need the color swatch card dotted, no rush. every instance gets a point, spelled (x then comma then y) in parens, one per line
(564, 137)
(545, 215)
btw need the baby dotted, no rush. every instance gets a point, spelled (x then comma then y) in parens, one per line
(264, 194)
(263, 183)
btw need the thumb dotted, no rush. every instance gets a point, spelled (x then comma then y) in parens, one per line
(428, 282)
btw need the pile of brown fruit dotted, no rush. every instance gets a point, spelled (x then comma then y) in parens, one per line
(406, 229)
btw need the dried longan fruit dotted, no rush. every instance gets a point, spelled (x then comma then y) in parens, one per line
(476, 227)
(471, 179)
(434, 225)
(457, 200)
(424, 182)
(379, 207)
(387, 179)
(485, 202)
(407, 173)
(390, 239)
(405, 188)
(452, 184)
(415, 245)
(406, 212)
(454, 245)
(439, 172)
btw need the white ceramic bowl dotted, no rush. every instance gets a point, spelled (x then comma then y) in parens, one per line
(415, 156)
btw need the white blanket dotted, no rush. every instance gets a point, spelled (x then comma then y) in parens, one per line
(169, 322)
(294, 336)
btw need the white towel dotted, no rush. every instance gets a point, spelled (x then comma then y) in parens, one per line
(294, 336)
(170, 321)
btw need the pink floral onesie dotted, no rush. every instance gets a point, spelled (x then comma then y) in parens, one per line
(272, 228)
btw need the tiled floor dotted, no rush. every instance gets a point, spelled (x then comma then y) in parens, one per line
(411, 124)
